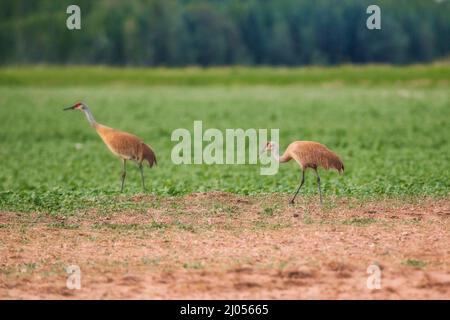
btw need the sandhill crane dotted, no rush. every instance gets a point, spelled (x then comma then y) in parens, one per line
(124, 145)
(308, 154)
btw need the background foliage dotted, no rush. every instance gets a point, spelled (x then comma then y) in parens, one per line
(217, 32)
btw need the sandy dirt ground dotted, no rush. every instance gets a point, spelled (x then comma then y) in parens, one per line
(223, 246)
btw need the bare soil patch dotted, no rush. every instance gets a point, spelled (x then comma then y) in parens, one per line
(219, 246)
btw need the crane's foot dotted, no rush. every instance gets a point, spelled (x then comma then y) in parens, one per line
(292, 201)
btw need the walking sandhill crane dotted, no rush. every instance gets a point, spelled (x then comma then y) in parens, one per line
(308, 154)
(124, 145)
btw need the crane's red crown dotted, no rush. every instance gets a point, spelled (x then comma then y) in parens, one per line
(270, 145)
(78, 106)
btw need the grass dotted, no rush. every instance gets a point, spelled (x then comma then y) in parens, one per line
(184, 226)
(193, 265)
(359, 221)
(265, 225)
(222, 208)
(129, 226)
(81, 76)
(268, 211)
(415, 263)
(390, 125)
(150, 261)
(62, 225)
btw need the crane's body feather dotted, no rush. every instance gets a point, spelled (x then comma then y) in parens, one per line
(310, 154)
(126, 145)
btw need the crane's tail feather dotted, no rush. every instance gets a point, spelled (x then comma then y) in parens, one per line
(149, 155)
(331, 160)
(336, 163)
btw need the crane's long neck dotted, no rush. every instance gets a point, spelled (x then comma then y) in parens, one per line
(90, 117)
(276, 155)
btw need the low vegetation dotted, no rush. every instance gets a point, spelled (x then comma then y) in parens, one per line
(390, 126)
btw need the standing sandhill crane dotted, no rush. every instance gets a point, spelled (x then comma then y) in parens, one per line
(308, 154)
(124, 145)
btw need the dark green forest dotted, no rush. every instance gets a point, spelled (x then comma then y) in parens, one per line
(220, 32)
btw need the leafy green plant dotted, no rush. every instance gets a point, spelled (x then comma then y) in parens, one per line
(415, 263)
(393, 137)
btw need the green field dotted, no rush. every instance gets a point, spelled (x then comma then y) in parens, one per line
(390, 125)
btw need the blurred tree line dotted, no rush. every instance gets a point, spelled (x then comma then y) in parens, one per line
(223, 32)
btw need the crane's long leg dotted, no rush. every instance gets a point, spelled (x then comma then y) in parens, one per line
(124, 173)
(301, 184)
(142, 175)
(318, 184)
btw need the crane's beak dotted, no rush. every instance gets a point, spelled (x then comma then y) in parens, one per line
(69, 108)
